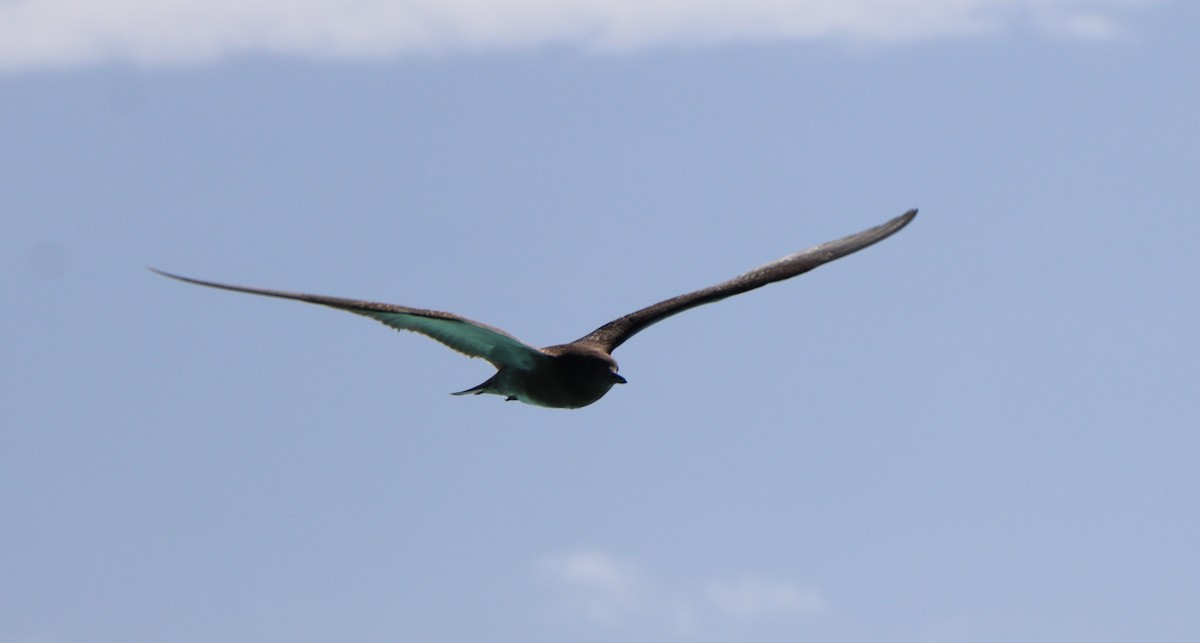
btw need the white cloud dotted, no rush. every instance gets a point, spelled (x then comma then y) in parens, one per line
(1080, 25)
(601, 589)
(42, 33)
(754, 598)
(596, 586)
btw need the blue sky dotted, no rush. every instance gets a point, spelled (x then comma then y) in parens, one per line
(982, 429)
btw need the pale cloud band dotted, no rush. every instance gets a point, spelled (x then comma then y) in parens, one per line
(600, 589)
(56, 33)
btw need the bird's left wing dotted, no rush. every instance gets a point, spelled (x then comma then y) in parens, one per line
(615, 332)
(459, 333)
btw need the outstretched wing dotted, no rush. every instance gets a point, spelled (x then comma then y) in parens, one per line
(615, 332)
(462, 334)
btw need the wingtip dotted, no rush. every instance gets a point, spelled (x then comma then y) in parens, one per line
(899, 222)
(168, 275)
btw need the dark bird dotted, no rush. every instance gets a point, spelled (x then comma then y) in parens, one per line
(576, 374)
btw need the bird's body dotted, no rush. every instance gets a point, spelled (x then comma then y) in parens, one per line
(571, 376)
(578, 373)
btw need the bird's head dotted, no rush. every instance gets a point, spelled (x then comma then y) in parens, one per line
(610, 366)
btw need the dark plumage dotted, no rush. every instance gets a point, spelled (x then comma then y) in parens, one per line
(579, 373)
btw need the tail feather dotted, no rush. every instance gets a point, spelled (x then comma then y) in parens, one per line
(477, 390)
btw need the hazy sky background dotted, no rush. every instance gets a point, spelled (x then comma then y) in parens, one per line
(984, 429)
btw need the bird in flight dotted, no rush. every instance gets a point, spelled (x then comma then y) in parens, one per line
(576, 374)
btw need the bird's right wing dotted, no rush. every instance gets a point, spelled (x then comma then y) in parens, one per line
(615, 332)
(459, 333)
